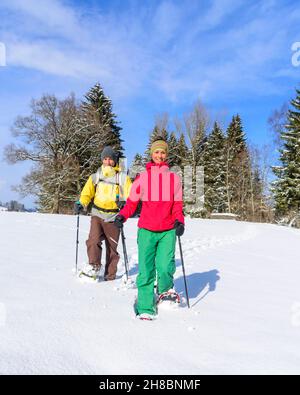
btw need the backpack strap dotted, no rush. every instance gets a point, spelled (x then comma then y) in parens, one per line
(96, 178)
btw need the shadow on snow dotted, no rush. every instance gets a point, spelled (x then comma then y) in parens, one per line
(197, 283)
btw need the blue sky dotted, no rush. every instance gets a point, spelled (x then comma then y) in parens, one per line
(151, 57)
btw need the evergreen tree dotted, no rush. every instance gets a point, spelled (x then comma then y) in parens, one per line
(236, 135)
(199, 143)
(137, 166)
(64, 142)
(287, 186)
(215, 171)
(98, 128)
(237, 168)
(173, 154)
(182, 152)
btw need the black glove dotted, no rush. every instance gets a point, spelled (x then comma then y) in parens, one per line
(119, 221)
(121, 204)
(78, 207)
(179, 226)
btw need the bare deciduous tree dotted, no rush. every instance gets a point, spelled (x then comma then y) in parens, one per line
(48, 139)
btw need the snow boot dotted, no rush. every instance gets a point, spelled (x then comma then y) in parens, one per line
(90, 271)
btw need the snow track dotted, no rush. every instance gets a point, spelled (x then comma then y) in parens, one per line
(243, 282)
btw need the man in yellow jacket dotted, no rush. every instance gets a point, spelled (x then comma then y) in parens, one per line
(107, 188)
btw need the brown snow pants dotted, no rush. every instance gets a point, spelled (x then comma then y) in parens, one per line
(108, 232)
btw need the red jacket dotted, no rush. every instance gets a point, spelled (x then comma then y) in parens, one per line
(160, 191)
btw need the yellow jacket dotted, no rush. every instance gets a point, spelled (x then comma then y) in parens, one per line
(104, 189)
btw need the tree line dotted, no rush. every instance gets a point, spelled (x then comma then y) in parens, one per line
(64, 138)
(234, 177)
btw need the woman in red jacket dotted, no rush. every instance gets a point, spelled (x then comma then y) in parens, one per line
(161, 220)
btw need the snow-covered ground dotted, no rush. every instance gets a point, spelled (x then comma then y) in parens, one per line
(243, 281)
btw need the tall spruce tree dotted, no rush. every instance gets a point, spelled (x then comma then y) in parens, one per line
(99, 127)
(182, 152)
(173, 155)
(237, 168)
(64, 141)
(215, 171)
(287, 186)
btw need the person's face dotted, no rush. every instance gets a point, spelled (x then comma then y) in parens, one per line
(159, 156)
(108, 162)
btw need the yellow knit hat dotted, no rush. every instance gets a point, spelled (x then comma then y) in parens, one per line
(159, 144)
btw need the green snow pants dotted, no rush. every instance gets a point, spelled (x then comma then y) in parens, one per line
(156, 254)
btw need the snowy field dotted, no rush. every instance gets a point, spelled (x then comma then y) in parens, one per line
(244, 287)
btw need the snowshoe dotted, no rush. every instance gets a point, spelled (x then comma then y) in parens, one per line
(146, 317)
(169, 298)
(90, 272)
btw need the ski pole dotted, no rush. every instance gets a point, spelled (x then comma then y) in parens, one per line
(77, 242)
(183, 270)
(125, 253)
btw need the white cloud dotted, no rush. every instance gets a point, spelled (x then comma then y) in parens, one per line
(94, 52)
(244, 57)
(51, 13)
(172, 48)
(50, 59)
